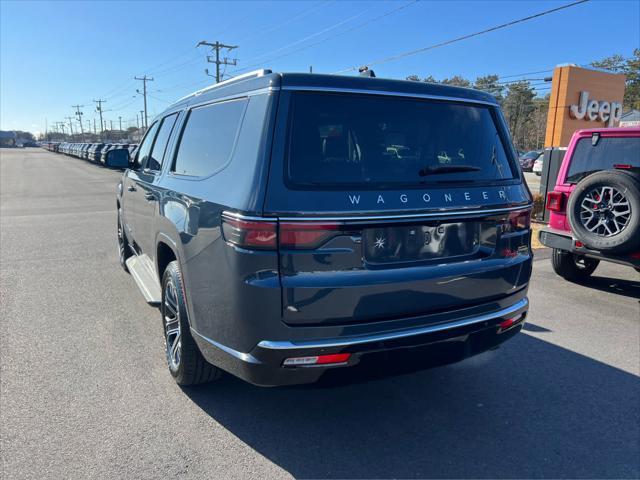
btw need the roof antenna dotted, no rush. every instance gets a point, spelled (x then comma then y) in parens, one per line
(365, 72)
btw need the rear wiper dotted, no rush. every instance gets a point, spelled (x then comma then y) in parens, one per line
(447, 169)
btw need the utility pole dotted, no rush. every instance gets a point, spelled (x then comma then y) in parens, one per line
(144, 80)
(70, 124)
(111, 123)
(217, 46)
(79, 115)
(141, 119)
(99, 110)
(120, 120)
(95, 132)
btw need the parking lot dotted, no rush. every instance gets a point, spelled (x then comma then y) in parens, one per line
(85, 392)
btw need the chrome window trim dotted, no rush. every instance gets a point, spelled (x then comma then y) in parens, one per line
(381, 337)
(320, 217)
(440, 213)
(388, 93)
(240, 216)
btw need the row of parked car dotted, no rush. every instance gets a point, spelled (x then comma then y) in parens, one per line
(532, 161)
(114, 155)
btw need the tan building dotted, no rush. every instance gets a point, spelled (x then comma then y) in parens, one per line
(582, 98)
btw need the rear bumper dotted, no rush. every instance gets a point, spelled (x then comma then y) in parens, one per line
(562, 240)
(383, 353)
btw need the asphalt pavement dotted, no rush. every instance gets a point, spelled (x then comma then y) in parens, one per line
(84, 391)
(533, 181)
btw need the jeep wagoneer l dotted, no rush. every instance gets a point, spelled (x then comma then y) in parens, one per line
(294, 225)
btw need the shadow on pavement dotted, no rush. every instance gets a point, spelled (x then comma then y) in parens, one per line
(530, 409)
(618, 286)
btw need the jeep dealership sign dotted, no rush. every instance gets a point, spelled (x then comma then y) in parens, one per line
(582, 98)
(593, 110)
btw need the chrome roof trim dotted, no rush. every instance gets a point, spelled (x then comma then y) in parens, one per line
(388, 93)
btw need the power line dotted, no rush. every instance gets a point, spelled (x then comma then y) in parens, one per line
(464, 37)
(348, 30)
(313, 35)
(305, 12)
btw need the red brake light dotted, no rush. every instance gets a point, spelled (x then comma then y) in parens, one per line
(333, 358)
(250, 234)
(624, 166)
(509, 323)
(555, 201)
(519, 221)
(306, 235)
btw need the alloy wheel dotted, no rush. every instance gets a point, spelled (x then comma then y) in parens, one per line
(605, 211)
(172, 331)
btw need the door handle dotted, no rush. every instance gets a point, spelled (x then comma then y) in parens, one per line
(149, 196)
(131, 188)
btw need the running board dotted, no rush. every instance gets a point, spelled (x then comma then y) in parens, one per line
(142, 271)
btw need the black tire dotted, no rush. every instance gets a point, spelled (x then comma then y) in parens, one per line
(574, 268)
(624, 240)
(123, 246)
(191, 368)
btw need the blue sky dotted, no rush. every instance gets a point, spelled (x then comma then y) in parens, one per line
(57, 54)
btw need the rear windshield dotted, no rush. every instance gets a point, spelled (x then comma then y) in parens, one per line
(365, 141)
(606, 154)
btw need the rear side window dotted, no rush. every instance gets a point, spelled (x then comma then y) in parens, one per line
(145, 146)
(604, 155)
(366, 141)
(208, 138)
(154, 161)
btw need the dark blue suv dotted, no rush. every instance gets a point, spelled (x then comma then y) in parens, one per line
(292, 226)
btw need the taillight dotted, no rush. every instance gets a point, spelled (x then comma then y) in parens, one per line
(331, 359)
(518, 221)
(250, 234)
(555, 201)
(306, 235)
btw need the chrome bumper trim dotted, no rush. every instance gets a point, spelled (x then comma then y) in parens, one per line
(379, 337)
(245, 357)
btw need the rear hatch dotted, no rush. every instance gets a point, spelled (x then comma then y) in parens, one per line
(392, 207)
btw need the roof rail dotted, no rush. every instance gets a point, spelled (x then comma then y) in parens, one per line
(253, 74)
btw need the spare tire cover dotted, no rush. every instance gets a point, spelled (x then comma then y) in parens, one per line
(604, 211)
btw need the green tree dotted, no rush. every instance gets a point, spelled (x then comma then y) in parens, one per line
(416, 78)
(518, 107)
(631, 68)
(456, 81)
(489, 84)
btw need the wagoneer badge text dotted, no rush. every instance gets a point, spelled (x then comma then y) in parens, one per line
(444, 197)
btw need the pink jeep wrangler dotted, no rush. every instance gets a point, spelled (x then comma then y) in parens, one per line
(595, 206)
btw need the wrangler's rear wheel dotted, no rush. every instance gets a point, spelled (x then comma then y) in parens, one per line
(186, 363)
(604, 211)
(572, 267)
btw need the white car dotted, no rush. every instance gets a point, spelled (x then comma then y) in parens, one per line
(537, 165)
